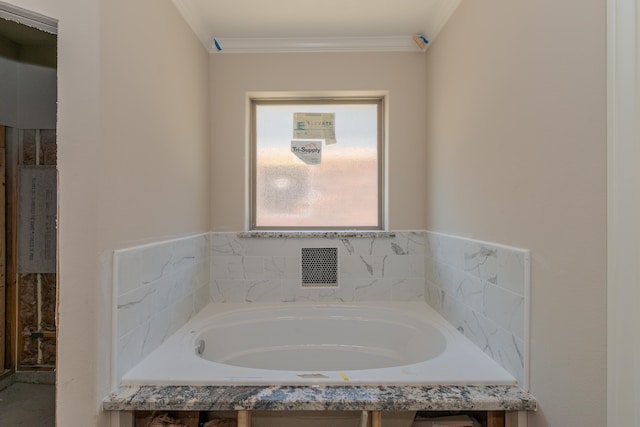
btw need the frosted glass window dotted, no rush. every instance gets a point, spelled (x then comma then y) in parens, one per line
(317, 164)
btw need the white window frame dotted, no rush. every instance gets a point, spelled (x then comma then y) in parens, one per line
(300, 99)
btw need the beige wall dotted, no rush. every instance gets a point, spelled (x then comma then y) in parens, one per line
(133, 149)
(517, 155)
(402, 74)
(155, 124)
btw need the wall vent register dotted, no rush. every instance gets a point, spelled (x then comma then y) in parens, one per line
(319, 267)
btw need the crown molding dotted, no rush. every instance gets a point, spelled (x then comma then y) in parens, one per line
(433, 23)
(316, 44)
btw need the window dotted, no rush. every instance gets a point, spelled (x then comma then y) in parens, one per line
(317, 164)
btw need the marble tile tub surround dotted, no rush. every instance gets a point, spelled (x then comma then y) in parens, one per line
(371, 267)
(483, 290)
(157, 289)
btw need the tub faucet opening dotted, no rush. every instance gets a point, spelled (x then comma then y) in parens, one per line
(200, 347)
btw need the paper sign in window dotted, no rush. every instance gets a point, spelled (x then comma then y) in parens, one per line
(309, 152)
(315, 126)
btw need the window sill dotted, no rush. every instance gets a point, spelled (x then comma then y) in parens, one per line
(315, 234)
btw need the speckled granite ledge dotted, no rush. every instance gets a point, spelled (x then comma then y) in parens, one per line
(315, 234)
(327, 398)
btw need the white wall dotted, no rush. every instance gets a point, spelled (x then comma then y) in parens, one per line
(402, 74)
(133, 153)
(517, 155)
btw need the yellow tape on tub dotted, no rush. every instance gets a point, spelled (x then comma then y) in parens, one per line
(344, 376)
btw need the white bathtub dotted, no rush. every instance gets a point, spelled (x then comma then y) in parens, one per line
(396, 343)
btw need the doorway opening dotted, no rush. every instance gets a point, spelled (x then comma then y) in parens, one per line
(28, 206)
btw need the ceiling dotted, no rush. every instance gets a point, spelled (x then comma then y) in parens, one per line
(24, 35)
(303, 25)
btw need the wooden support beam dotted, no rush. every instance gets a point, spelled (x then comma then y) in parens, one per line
(11, 227)
(3, 286)
(122, 419)
(244, 419)
(515, 419)
(364, 419)
(495, 419)
(376, 418)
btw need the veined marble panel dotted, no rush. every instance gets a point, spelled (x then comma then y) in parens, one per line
(372, 266)
(482, 289)
(157, 289)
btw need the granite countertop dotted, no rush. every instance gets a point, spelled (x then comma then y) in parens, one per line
(327, 398)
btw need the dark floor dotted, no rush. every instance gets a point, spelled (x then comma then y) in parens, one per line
(31, 405)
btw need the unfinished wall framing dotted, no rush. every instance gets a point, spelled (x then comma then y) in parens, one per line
(32, 155)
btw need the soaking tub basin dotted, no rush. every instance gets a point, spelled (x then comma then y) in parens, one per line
(306, 343)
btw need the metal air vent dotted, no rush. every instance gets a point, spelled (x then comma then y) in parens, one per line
(319, 267)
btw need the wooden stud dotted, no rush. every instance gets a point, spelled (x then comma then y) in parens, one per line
(244, 418)
(495, 419)
(11, 227)
(23, 158)
(515, 419)
(122, 419)
(376, 418)
(364, 419)
(3, 293)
